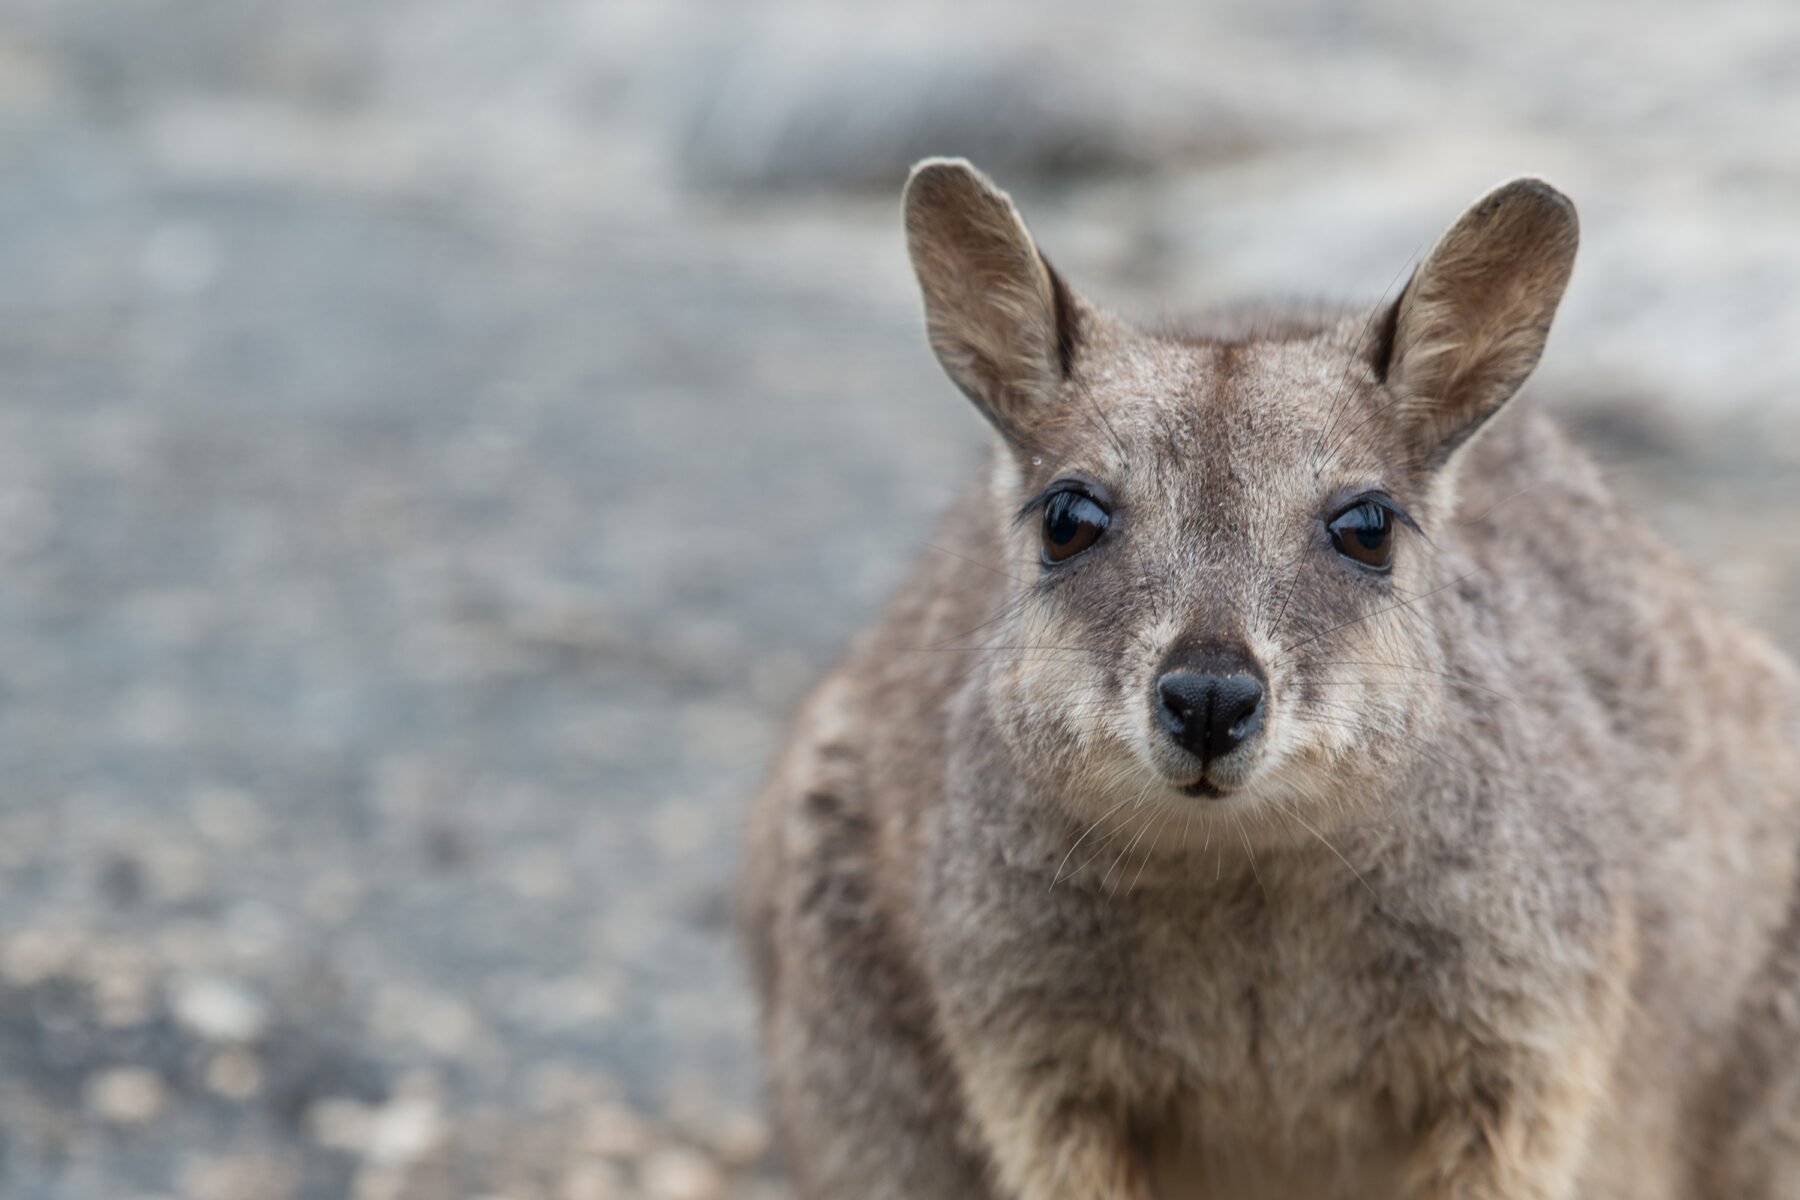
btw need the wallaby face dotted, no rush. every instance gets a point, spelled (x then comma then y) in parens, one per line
(1216, 546)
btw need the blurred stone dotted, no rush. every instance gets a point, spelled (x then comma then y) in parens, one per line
(679, 828)
(404, 1130)
(390, 1135)
(612, 1131)
(406, 1013)
(153, 716)
(242, 1176)
(187, 945)
(761, 1189)
(778, 679)
(560, 1005)
(125, 1095)
(680, 1173)
(122, 994)
(333, 896)
(378, 1182)
(228, 817)
(741, 1139)
(27, 77)
(26, 520)
(35, 954)
(559, 1088)
(219, 1009)
(340, 1124)
(235, 1074)
(121, 880)
(725, 733)
(180, 259)
(173, 617)
(558, 615)
(406, 787)
(176, 872)
(591, 1181)
(446, 845)
(254, 930)
(788, 113)
(538, 872)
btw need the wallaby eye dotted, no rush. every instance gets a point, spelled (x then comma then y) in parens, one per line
(1364, 532)
(1073, 521)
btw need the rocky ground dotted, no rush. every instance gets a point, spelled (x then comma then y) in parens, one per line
(439, 439)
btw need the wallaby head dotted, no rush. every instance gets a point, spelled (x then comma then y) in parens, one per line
(1216, 544)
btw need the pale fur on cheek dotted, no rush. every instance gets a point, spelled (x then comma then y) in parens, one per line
(1068, 727)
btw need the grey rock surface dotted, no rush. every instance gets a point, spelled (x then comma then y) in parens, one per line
(439, 440)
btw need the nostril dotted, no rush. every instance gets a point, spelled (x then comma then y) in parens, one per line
(1209, 715)
(1184, 701)
(1237, 711)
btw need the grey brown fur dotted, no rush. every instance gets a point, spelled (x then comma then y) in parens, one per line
(1499, 901)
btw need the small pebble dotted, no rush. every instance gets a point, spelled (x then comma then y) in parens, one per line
(236, 1074)
(122, 997)
(227, 817)
(36, 954)
(741, 1139)
(125, 1095)
(393, 1135)
(678, 1173)
(238, 1176)
(220, 1010)
(591, 1181)
(404, 1130)
(337, 1123)
(616, 1133)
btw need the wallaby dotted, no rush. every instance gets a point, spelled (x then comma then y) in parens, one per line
(1290, 774)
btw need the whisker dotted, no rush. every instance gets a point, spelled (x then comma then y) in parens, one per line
(1326, 842)
(1168, 816)
(1019, 649)
(1006, 610)
(1335, 412)
(1129, 846)
(1084, 833)
(1353, 723)
(1287, 650)
(1452, 676)
(1088, 395)
(1236, 820)
(1489, 511)
(1293, 581)
(1101, 845)
(974, 562)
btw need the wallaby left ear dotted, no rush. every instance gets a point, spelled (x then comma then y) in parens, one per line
(1471, 324)
(1001, 321)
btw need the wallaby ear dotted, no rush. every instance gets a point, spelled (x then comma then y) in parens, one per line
(1471, 324)
(1001, 321)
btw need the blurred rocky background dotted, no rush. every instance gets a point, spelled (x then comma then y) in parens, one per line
(439, 439)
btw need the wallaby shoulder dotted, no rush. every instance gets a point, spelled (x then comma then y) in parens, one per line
(1560, 568)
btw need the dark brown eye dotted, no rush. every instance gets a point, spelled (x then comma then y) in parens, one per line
(1073, 521)
(1364, 532)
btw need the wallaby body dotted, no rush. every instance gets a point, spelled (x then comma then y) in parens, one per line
(1268, 788)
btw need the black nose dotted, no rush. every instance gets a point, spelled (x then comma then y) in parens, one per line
(1210, 715)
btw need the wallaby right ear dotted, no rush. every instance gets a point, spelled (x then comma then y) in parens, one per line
(1471, 325)
(1001, 321)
